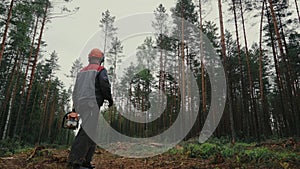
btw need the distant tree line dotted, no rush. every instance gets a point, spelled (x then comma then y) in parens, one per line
(32, 99)
(262, 78)
(263, 94)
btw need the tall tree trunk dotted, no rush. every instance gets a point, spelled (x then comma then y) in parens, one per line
(266, 128)
(6, 29)
(244, 109)
(35, 63)
(8, 93)
(283, 56)
(188, 84)
(43, 117)
(291, 89)
(25, 76)
(7, 119)
(278, 72)
(105, 41)
(252, 101)
(36, 55)
(229, 97)
(161, 79)
(297, 9)
(278, 37)
(203, 80)
(50, 122)
(7, 127)
(15, 89)
(35, 102)
(182, 68)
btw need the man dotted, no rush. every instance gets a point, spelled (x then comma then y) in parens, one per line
(92, 87)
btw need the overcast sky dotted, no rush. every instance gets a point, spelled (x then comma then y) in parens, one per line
(68, 35)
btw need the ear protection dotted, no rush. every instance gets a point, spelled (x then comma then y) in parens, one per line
(102, 59)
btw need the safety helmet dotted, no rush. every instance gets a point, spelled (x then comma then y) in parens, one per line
(96, 53)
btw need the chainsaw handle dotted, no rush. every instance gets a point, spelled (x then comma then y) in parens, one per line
(64, 120)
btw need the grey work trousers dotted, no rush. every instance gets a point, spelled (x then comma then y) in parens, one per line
(82, 150)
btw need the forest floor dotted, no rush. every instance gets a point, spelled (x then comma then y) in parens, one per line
(283, 153)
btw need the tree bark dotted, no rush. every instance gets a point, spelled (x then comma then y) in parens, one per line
(7, 120)
(297, 9)
(278, 74)
(266, 116)
(252, 102)
(291, 89)
(244, 109)
(6, 29)
(25, 77)
(278, 37)
(8, 93)
(182, 68)
(43, 117)
(35, 62)
(229, 97)
(203, 87)
(50, 122)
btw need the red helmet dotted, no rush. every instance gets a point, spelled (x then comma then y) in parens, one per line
(96, 53)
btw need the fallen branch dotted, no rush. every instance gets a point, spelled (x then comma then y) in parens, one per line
(7, 158)
(36, 149)
(156, 144)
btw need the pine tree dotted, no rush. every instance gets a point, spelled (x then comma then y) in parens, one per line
(45, 6)
(108, 29)
(161, 27)
(115, 55)
(229, 92)
(244, 109)
(160, 24)
(6, 29)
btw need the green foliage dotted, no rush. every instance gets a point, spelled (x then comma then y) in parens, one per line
(174, 151)
(287, 156)
(240, 154)
(11, 146)
(204, 150)
(186, 9)
(228, 152)
(48, 100)
(260, 154)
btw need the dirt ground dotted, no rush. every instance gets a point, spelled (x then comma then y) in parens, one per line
(56, 159)
(43, 158)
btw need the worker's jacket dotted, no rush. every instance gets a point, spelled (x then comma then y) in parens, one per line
(92, 84)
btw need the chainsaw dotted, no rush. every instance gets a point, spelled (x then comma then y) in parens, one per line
(70, 120)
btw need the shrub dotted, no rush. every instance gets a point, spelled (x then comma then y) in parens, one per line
(8, 146)
(204, 150)
(260, 154)
(227, 152)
